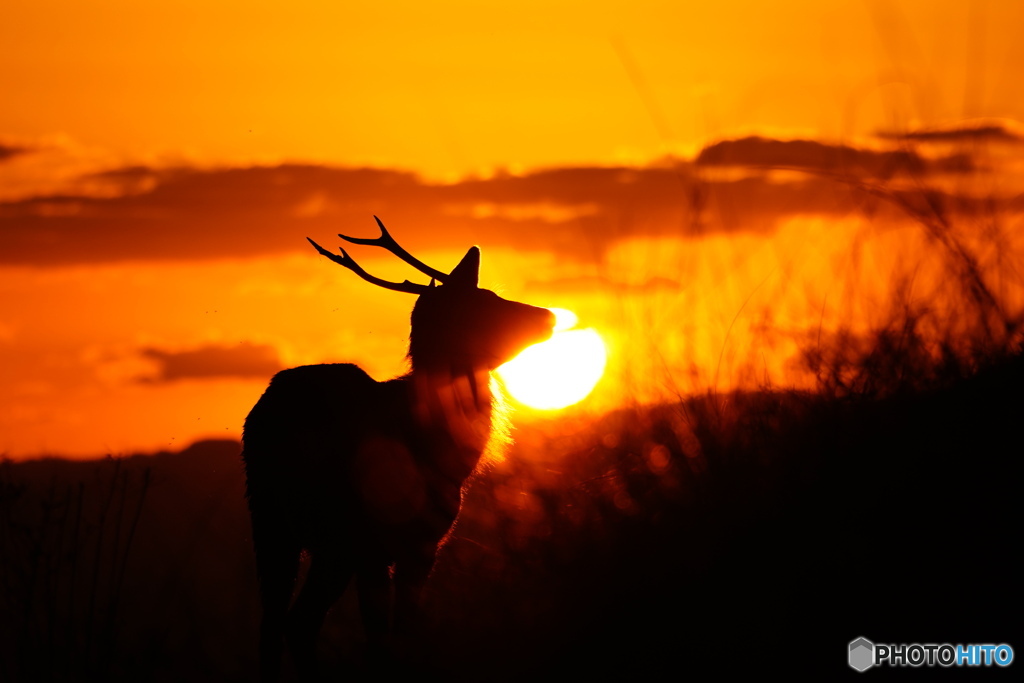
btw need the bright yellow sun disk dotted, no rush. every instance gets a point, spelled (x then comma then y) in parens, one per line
(560, 371)
(564, 319)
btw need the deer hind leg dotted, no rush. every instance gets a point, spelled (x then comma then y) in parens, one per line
(329, 574)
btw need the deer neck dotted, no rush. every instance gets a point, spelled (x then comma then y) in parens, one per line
(453, 406)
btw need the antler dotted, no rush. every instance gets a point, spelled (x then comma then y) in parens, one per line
(350, 263)
(388, 242)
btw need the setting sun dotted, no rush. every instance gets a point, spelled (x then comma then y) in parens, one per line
(559, 372)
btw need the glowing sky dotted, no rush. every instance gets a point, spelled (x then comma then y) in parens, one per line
(454, 87)
(153, 266)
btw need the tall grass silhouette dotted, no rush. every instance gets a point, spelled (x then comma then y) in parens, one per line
(971, 320)
(64, 554)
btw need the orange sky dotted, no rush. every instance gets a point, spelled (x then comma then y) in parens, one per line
(153, 266)
(448, 88)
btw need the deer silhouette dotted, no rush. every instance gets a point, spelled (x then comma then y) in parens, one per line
(366, 476)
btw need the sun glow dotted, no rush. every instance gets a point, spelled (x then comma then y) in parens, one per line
(559, 372)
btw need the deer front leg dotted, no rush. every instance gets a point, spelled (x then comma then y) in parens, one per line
(410, 577)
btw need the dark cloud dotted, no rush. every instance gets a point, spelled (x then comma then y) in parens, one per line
(11, 151)
(994, 132)
(819, 157)
(248, 212)
(244, 360)
(576, 212)
(192, 214)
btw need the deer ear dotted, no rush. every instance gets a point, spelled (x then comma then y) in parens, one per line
(467, 273)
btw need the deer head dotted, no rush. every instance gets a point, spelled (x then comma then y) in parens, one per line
(456, 325)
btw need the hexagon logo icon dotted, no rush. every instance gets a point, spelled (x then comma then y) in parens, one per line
(862, 654)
